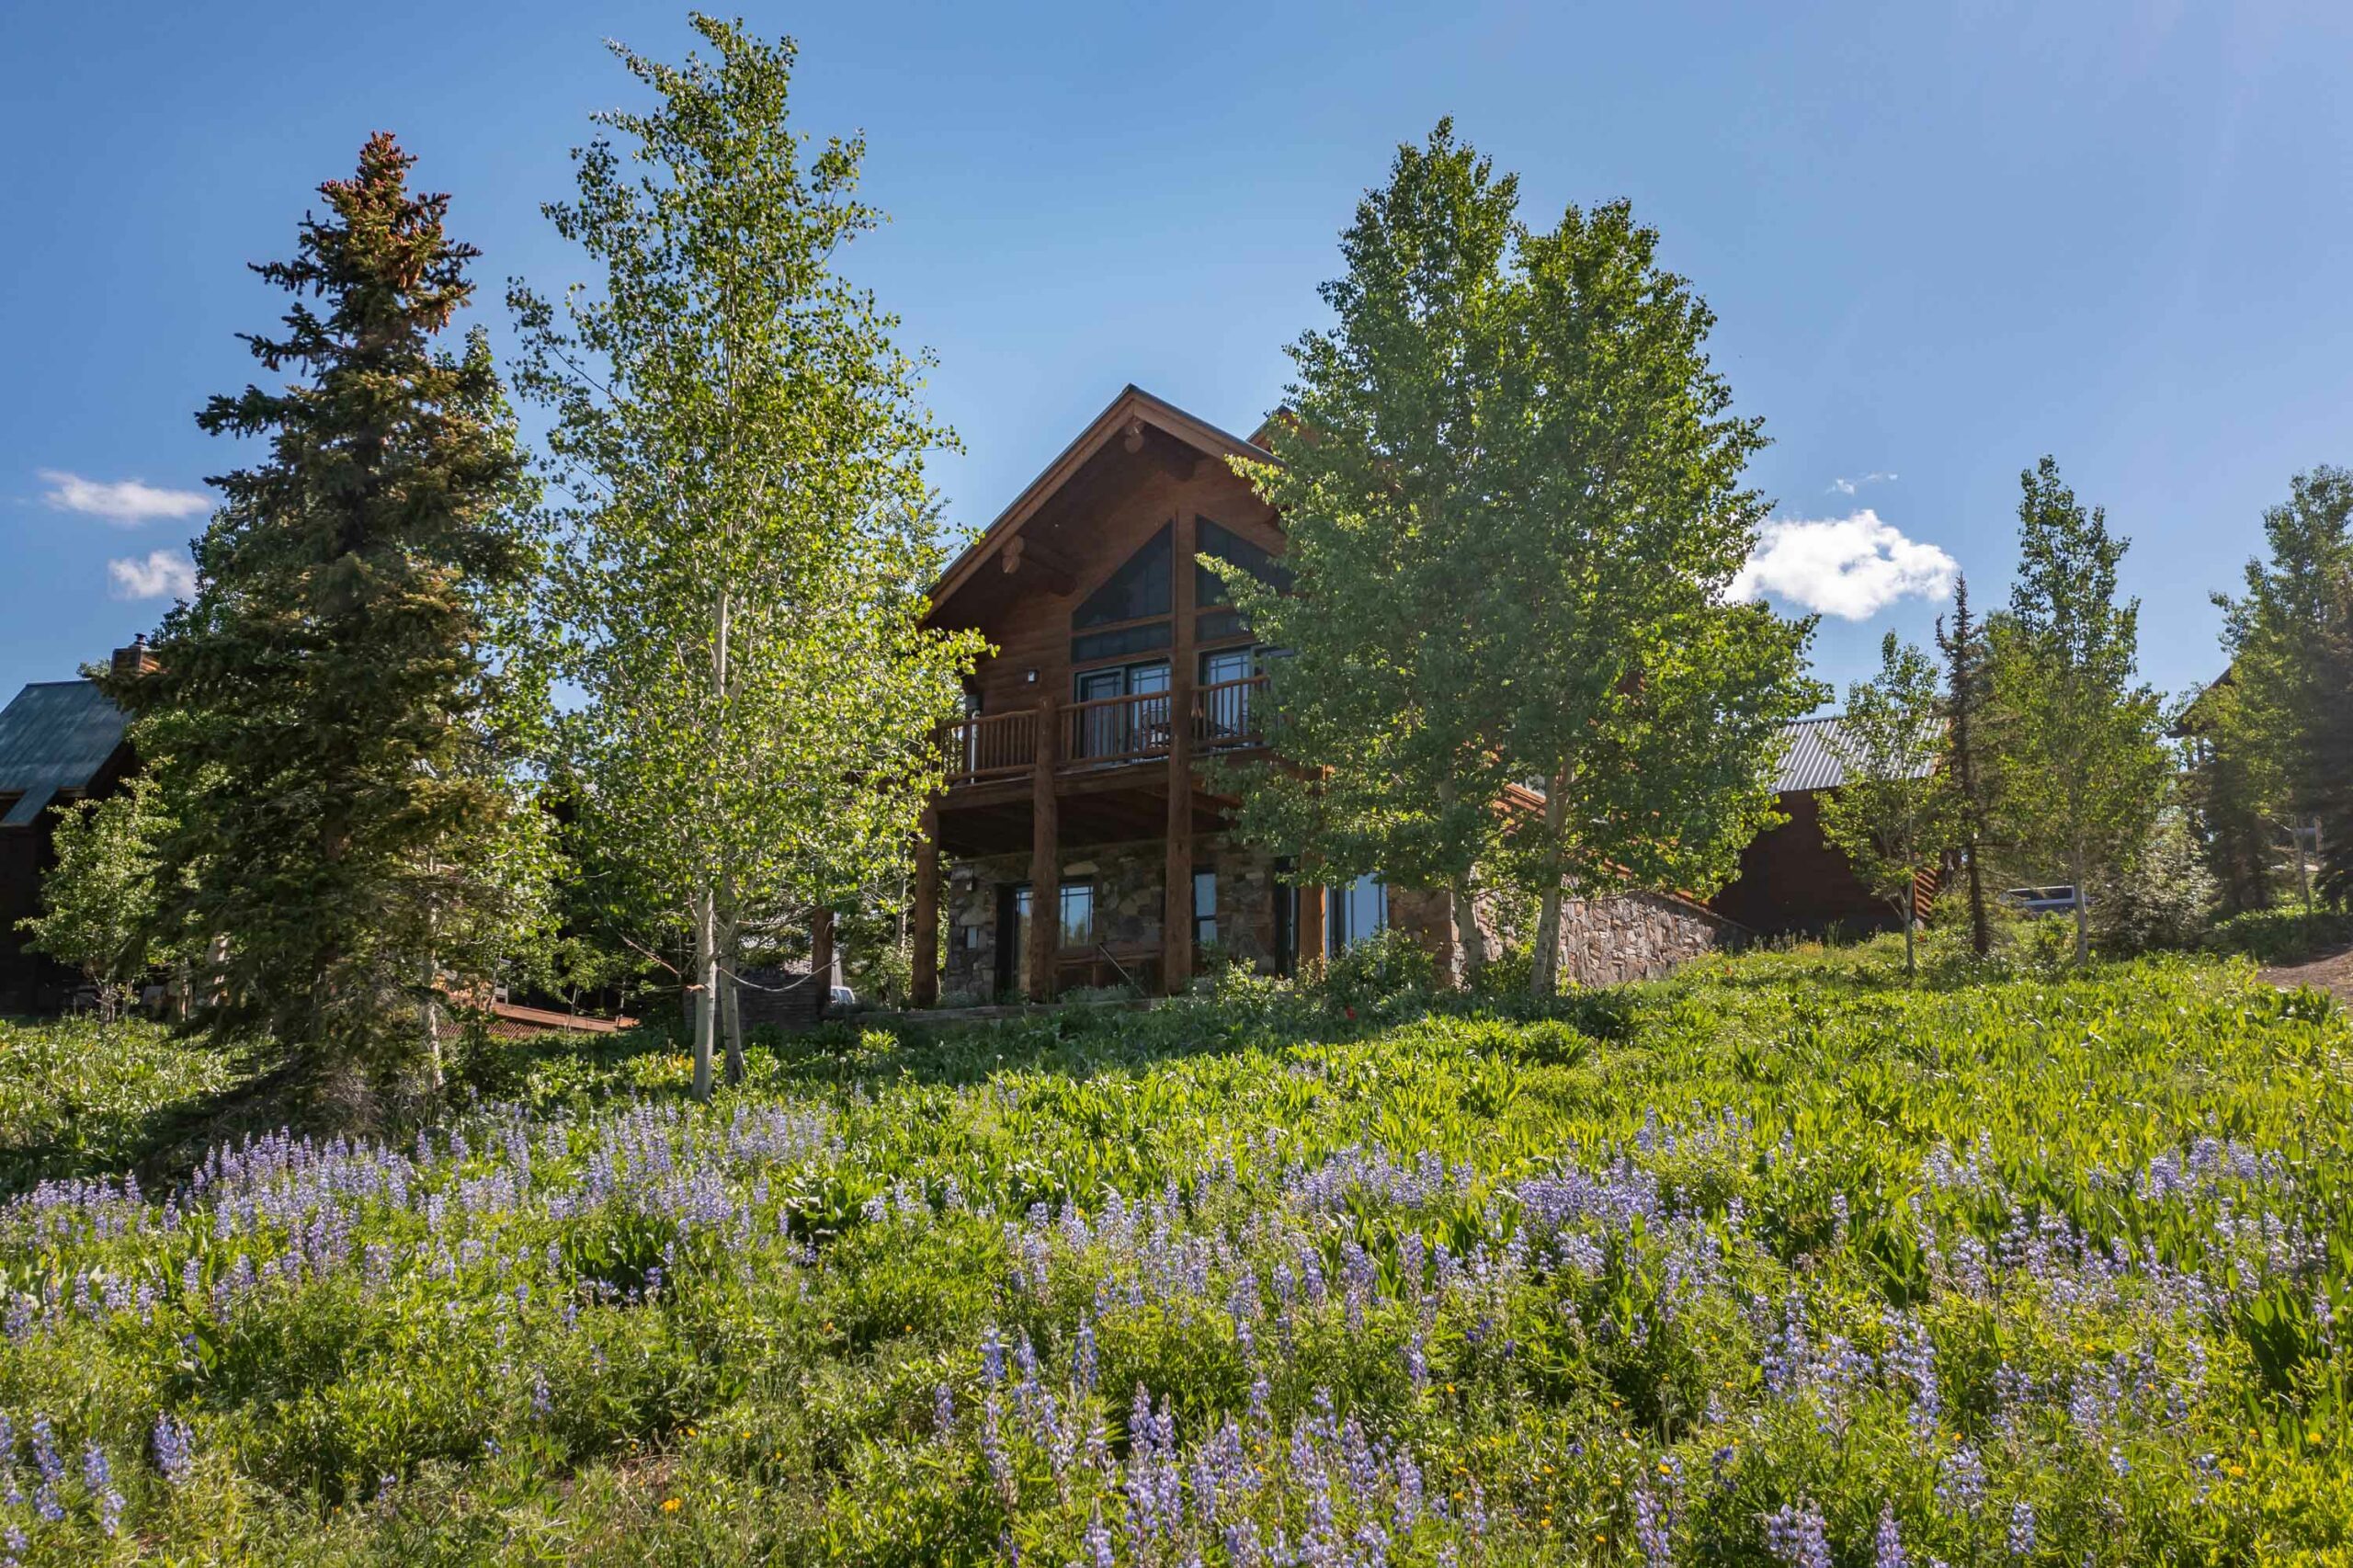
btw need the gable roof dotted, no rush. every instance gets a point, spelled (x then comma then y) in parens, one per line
(1811, 760)
(1133, 408)
(56, 735)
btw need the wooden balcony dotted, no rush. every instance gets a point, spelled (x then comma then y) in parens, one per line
(1107, 732)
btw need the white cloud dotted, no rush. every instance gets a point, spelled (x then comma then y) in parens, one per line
(127, 502)
(163, 574)
(1850, 567)
(1849, 487)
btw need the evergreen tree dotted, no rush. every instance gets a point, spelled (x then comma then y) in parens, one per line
(348, 841)
(1894, 818)
(1967, 764)
(2291, 640)
(2084, 769)
(744, 532)
(2232, 790)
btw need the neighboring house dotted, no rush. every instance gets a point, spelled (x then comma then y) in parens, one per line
(1792, 880)
(61, 741)
(1119, 666)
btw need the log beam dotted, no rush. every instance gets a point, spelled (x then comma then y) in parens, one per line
(923, 965)
(1045, 859)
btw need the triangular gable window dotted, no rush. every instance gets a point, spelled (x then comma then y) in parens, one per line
(1228, 546)
(1138, 589)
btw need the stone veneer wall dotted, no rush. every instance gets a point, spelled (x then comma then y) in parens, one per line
(1128, 904)
(1604, 940)
(1635, 936)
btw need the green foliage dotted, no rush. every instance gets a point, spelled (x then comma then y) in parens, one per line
(99, 901)
(1895, 815)
(745, 530)
(332, 702)
(2163, 897)
(2083, 768)
(1510, 481)
(2279, 936)
(79, 1099)
(1782, 1231)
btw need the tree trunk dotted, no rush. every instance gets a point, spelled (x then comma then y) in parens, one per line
(730, 997)
(706, 985)
(1981, 930)
(2083, 914)
(1544, 969)
(1469, 940)
(1911, 923)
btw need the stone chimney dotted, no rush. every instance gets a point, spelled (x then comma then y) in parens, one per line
(136, 660)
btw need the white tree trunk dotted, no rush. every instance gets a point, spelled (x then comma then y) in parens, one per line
(706, 986)
(730, 997)
(2083, 913)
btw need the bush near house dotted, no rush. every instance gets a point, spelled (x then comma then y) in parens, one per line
(1780, 1261)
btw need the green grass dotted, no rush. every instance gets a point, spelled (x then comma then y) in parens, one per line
(1679, 1272)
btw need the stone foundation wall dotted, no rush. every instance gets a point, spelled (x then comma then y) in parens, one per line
(1127, 902)
(1604, 940)
(1633, 936)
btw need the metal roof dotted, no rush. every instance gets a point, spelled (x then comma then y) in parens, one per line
(55, 735)
(1812, 761)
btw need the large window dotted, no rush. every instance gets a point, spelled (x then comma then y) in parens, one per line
(1120, 729)
(1139, 589)
(1355, 912)
(1225, 707)
(1204, 909)
(1078, 915)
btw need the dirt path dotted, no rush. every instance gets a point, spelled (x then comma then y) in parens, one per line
(2330, 971)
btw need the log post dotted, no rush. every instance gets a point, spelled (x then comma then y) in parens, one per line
(1177, 907)
(1310, 933)
(1045, 857)
(923, 965)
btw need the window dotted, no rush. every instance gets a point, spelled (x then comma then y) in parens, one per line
(1119, 642)
(1355, 912)
(1012, 939)
(1204, 909)
(1137, 590)
(1078, 915)
(1225, 707)
(1226, 545)
(1123, 729)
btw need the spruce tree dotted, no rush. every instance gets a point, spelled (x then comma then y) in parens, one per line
(1966, 762)
(348, 848)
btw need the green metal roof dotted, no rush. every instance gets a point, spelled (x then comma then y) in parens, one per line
(55, 735)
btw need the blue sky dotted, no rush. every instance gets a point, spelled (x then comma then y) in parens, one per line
(1941, 239)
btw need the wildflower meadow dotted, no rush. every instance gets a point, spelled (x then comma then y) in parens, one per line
(1778, 1262)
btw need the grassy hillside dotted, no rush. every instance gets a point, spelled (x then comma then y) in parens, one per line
(1776, 1261)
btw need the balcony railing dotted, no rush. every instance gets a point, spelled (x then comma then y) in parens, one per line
(1103, 731)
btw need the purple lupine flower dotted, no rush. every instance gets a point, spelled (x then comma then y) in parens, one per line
(1887, 1546)
(97, 1477)
(1652, 1533)
(1796, 1536)
(943, 1413)
(174, 1457)
(2021, 1529)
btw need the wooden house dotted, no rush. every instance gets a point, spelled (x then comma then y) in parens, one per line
(1076, 843)
(61, 741)
(1792, 880)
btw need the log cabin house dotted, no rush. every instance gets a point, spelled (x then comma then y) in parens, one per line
(1075, 844)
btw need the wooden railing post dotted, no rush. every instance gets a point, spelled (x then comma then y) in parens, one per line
(1177, 907)
(1045, 860)
(923, 965)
